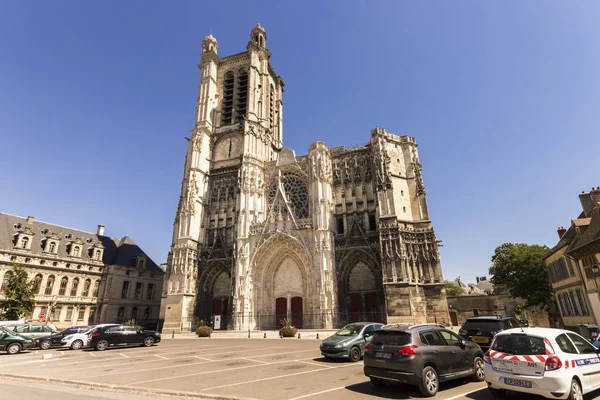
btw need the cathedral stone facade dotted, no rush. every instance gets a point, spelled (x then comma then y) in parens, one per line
(262, 235)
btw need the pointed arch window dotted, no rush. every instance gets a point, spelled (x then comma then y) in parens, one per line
(227, 107)
(241, 96)
(74, 287)
(64, 282)
(49, 285)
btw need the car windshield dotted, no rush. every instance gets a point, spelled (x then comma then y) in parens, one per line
(350, 330)
(519, 345)
(484, 325)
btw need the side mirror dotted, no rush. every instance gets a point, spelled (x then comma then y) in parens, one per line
(463, 343)
(366, 334)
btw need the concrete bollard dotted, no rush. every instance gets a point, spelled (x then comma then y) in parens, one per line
(173, 335)
(298, 335)
(280, 335)
(265, 335)
(248, 333)
(317, 335)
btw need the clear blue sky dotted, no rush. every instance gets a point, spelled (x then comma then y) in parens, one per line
(503, 98)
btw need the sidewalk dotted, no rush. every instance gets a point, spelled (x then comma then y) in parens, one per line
(304, 334)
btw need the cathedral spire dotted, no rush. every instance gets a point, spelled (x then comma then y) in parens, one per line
(209, 44)
(259, 36)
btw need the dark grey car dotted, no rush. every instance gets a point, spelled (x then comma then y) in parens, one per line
(421, 355)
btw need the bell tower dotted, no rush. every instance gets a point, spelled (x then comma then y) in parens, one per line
(238, 128)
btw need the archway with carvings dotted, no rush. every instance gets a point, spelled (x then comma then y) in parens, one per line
(214, 294)
(360, 289)
(284, 285)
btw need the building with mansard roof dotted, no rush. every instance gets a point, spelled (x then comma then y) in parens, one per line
(261, 234)
(83, 277)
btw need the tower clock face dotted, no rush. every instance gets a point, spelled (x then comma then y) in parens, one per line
(229, 147)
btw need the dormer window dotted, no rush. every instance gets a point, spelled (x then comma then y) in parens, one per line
(76, 251)
(25, 242)
(23, 239)
(141, 263)
(97, 254)
(96, 251)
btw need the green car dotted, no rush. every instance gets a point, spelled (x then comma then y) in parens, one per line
(12, 342)
(349, 342)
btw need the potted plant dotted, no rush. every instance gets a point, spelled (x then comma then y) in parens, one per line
(204, 330)
(288, 329)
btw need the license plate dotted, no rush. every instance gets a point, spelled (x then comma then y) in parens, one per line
(383, 355)
(478, 339)
(517, 382)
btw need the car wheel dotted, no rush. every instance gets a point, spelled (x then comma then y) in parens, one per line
(378, 382)
(478, 369)
(429, 384)
(102, 345)
(76, 345)
(497, 392)
(13, 348)
(45, 344)
(576, 392)
(354, 354)
(149, 341)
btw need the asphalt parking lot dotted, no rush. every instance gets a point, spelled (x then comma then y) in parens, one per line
(265, 369)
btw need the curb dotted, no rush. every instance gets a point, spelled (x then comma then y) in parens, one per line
(126, 389)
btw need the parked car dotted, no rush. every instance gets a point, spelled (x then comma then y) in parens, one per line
(481, 330)
(45, 342)
(32, 330)
(554, 363)
(78, 340)
(105, 336)
(423, 355)
(13, 343)
(349, 342)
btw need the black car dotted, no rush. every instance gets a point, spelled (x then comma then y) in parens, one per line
(481, 330)
(103, 337)
(422, 355)
(46, 342)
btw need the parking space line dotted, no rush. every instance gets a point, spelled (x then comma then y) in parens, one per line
(258, 361)
(458, 396)
(121, 354)
(92, 354)
(318, 393)
(202, 358)
(164, 358)
(275, 377)
(202, 373)
(198, 363)
(318, 365)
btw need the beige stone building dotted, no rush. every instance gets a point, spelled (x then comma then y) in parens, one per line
(84, 277)
(573, 265)
(261, 234)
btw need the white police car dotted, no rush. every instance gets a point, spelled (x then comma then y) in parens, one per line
(554, 363)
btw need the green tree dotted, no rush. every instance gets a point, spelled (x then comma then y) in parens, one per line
(452, 289)
(521, 268)
(20, 294)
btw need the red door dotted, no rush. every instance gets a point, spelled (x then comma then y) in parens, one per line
(217, 307)
(297, 312)
(280, 311)
(355, 307)
(371, 301)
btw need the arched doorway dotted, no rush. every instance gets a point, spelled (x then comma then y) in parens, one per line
(288, 293)
(362, 291)
(221, 301)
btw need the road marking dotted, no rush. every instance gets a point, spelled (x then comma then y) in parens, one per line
(258, 361)
(202, 358)
(121, 354)
(92, 354)
(318, 393)
(318, 365)
(164, 358)
(200, 363)
(458, 396)
(201, 373)
(277, 377)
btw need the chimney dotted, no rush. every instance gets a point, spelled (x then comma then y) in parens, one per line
(561, 231)
(587, 202)
(30, 220)
(595, 196)
(100, 231)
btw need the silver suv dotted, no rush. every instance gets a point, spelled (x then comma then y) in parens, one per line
(422, 355)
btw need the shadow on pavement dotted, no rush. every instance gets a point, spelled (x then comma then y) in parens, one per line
(399, 391)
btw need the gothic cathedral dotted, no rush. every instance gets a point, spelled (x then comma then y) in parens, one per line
(262, 235)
